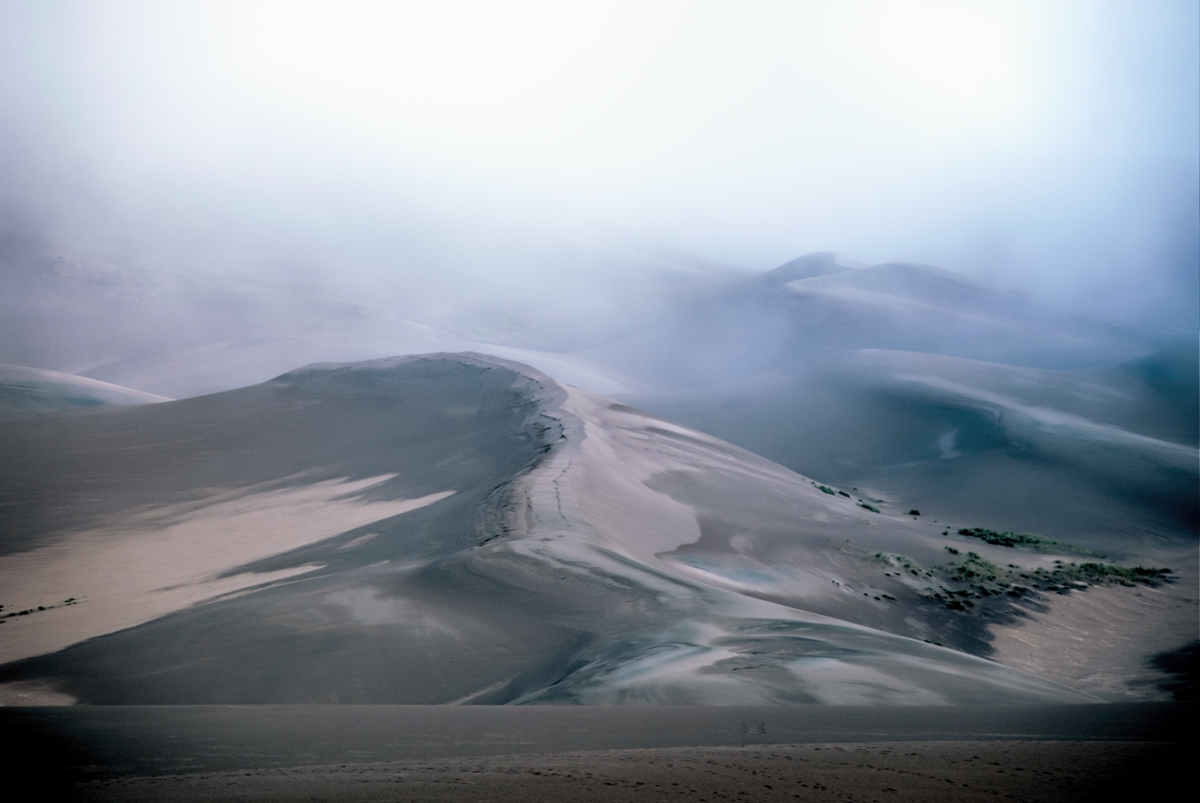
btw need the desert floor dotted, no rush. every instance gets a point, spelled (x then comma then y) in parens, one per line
(876, 771)
(598, 753)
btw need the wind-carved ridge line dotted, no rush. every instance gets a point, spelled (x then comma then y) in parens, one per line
(558, 490)
(501, 512)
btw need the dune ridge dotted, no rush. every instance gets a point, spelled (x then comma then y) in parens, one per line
(592, 509)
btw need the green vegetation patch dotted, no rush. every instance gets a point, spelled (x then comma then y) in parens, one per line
(871, 508)
(975, 569)
(1025, 540)
(1097, 573)
(961, 585)
(979, 578)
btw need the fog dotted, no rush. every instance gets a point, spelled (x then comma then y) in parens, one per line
(575, 165)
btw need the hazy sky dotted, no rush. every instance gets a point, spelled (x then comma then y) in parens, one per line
(1048, 146)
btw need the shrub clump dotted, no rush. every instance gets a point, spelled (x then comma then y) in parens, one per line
(1026, 540)
(984, 579)
(1096, 573)
(975, 569)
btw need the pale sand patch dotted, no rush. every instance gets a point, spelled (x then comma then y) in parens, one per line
(597, 496)
(1100, 640)
(152, 564)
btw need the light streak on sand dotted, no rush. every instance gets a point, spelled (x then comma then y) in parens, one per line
(157, 562)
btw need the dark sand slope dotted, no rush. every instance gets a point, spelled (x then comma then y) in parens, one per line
(322, 474)
(455, 528)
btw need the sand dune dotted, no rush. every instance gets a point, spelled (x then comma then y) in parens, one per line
(637, 497)
(295, 542)
(775, 321)
(592, 552)
(780, 363)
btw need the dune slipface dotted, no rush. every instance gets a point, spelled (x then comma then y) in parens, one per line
(456, 529)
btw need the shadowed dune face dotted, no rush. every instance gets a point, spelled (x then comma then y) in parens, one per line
(458, 529)
(212, 495)
(64, 473)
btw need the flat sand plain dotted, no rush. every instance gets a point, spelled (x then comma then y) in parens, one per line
(876, 771)
(597, 753)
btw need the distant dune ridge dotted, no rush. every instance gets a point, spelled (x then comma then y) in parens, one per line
(458, 528)
(30, 391)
